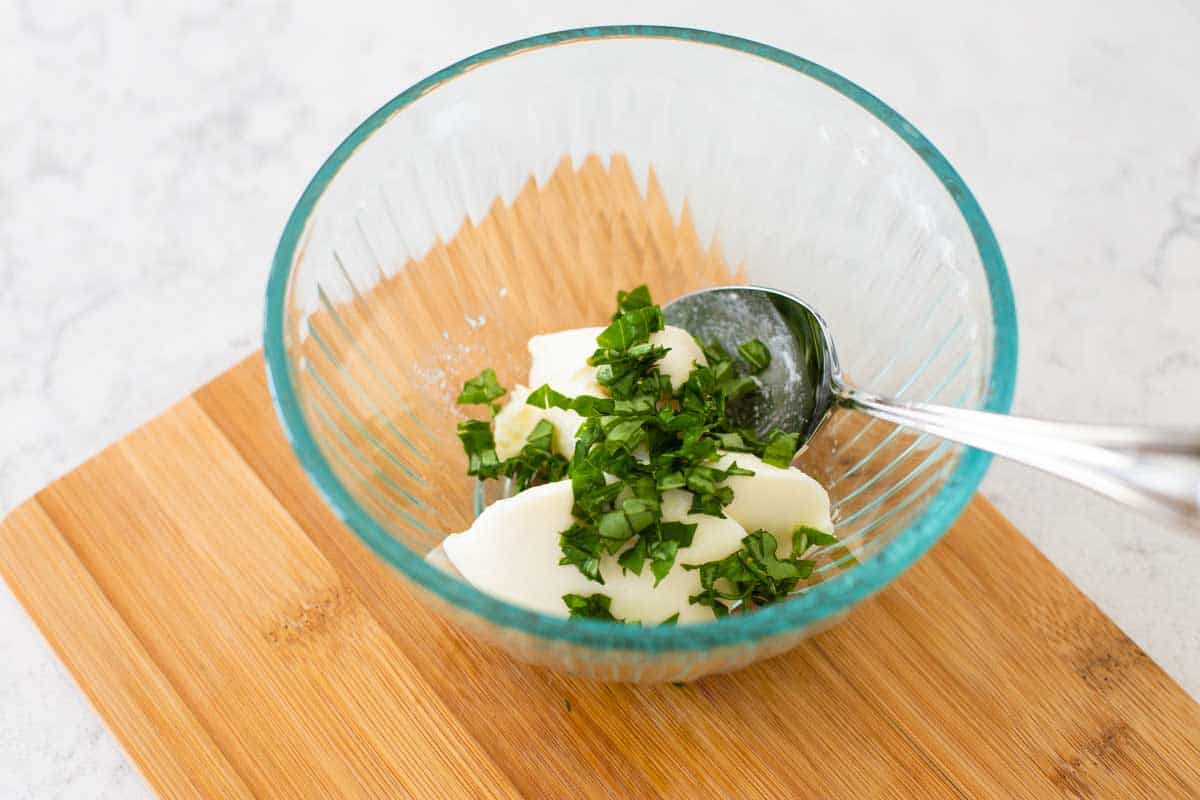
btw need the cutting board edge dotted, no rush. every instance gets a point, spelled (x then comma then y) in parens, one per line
(169, 771)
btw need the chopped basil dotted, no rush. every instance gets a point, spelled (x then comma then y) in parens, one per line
(480, 446)
(645, 439)
(534, 464)
(634, 558)
(633, 300)
(805, 537)
(781, 448)
(756, 354)
(581, 547)
(753, 575)
(593, 606)
(631, 328)
(483, 388)
(545, 397)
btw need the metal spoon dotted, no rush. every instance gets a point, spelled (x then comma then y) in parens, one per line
(1148, 468)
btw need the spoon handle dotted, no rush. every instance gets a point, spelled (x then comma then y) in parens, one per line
(1154, 469)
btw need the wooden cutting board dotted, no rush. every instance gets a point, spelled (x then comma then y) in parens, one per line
(241, 643)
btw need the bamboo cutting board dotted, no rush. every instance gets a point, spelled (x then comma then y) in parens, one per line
(241, 643)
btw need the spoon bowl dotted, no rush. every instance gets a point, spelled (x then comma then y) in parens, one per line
(797, 387)
(1149, 468)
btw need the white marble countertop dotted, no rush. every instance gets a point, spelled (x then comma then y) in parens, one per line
(148, 158)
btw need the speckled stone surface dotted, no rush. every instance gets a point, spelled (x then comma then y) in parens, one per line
(149, 156)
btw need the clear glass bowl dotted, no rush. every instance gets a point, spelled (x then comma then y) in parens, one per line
(515, 191)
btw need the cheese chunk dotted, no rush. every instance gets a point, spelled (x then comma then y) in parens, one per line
(517, 419)
(512, 549)
(775, 500)
(514, 423)
(512, 552)
(683, 353)
(560, 360)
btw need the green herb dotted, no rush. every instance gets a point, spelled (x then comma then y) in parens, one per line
(634, 558)
(805, 537)
(753, 575)
(645, 439)
(756, 354)
(545, 397)
(679, 534)
(714, 352)
(592, 606)
(480, 447)
(631, 328)
(633, 300)
(678, 435)
(629, 372)
(581, 547)
(483, 388)
(542, 435)
(534, 464)
(584, 405)
(781, 448)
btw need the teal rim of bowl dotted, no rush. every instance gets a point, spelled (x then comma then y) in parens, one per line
(816, 604)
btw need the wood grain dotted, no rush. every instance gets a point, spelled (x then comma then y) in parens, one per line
(244, 616)
(120, 679)
(588, 752)
(240, 642)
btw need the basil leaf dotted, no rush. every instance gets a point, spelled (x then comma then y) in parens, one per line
(679, 532)
(627, 433)
(738, 388)
(631, 328)
(734, 469)
(634, 558)
(756, 354)
(581, 547)
(615, 526)
(592, 606)
(545, 397)
(805, 537)
(662, 558)
(753, 575)
(715, 352)
(588, 406)
(483, 388)
(639, 513)
(646, 438)
(480, 447)
(781, 448)
(671, 480)
(732, 442)
(633, 300)
(542, 435)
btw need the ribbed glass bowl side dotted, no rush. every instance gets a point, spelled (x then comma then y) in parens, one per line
(489, 204)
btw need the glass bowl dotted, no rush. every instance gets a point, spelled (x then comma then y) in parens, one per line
(516, 191)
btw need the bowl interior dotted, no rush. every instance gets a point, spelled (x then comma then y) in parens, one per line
(516, 192)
